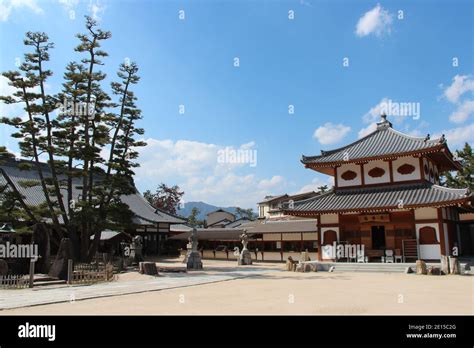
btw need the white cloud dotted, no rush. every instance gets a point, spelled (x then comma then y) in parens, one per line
(7, 6)
(16, 109)
(69, 4)
(317, 182)
(377, 21)
(331, 133)
(276, 181)
(373, 115)
(463, 112)
(194, 166)
(367, 130)
(458, 136)
(96, 9)
(461, 84)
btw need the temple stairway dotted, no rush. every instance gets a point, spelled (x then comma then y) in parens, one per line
(373, 266)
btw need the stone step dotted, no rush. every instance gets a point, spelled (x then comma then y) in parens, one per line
(49, 282)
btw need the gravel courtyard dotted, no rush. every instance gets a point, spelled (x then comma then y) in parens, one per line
(264, 288)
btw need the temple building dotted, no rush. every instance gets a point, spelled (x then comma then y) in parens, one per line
(150, 223)
(387, 196)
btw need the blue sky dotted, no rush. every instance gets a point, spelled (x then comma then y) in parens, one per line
(400, 56)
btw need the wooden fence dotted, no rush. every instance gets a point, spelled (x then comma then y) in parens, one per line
(14, 281)
(85, 273)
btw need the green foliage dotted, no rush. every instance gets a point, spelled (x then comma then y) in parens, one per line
(323, 189)
(74, 128)
(465, 177)
(245, 213)
(193, 221)
(165, 198)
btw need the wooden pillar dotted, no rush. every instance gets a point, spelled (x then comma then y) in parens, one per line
(70, 271)
(158, 239)
(320, 253)
(390, 168)
(32, 273)
(362, 175)
(281, 246)
(442, 242)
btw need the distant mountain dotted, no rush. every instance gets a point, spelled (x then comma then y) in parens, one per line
(204, 209)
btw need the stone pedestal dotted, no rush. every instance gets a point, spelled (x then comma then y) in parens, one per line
(194, 260)
(421, 267)
(148, 268)
(245, 258)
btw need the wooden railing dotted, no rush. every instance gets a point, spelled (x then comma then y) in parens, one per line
(410, 249)
(14, 281)
(84, 273)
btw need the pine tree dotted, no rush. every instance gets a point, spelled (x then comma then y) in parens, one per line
(465, 177)
(88, 124)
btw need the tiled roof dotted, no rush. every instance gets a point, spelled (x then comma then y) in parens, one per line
(212, 234)
(380, 198)
(237, 223)
(109, 234)
(180, 228)
(33, 195)
(281, 226)
(383, 142)
(272, 198)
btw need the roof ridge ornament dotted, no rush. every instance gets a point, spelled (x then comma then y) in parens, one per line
(427, 137)
(384, 123)
(442, 139)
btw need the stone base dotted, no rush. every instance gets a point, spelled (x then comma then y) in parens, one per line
(245, 258)
(194, 260)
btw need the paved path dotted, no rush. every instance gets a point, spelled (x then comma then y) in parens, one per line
(46, 295)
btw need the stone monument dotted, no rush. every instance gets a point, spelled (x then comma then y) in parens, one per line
(193, 257)
(245, 257)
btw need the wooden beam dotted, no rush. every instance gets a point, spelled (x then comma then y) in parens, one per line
(320, 255)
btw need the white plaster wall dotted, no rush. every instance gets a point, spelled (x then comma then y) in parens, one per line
(272, 255)
(345, 167)
(272, 236)
(426, 213)
(329, 219)
(221, 255)
(310, 236)
(380, 164)
(296, 236)
(218, 216)
(406, 160)
(294, 255)
(208, 254)
(429, 251)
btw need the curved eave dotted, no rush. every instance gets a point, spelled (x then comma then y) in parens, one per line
(460, 201)
(437, 148)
